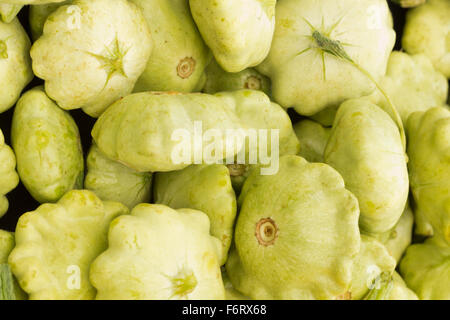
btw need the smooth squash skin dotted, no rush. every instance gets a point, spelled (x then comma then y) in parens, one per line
(15, 63)
(413, 84)
(427, 31)
(372, 261)
(206, 188)
(39, 14)
(365, 147)
(91, 53)
(141, 129)
(239, 32)
(159, 253)
(113, 181)
(429, 170)
(313, 139)
(426, 269)
(56, 243)
(180, 56)
(296, 235)
(9, 178)
(47, 144)
(306, 78)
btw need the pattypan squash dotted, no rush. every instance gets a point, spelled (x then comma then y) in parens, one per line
(296, 234)
(365, 148)
(8, 175)
(413, 84)
(218, 80)
(427, 31)
(56, 243)
(313, 139)
(239, 32)
(180, 56)
(15, 63)
(159, 253)
(426, 270)
(9, 11)
(113, 181)
(91, 53)
(47, 144)
(206, 188)
(429, 170)
(325, 52)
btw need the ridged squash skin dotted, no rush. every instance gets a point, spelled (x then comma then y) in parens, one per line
(91, 53)
(305, 79)
(427, 31)
(413, 84)
(296, 235)
(159, 253)
(9, 178)
(56, 244)
(429, 170)
(365, 147)
(15, 63)
(239, 32)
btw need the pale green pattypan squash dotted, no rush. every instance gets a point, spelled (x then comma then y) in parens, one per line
(180, 56)
(371, 264)
(206, 188)
(112, 181)
(296, 235)
(154, 131)
(365, 147)
(47, 144)
(159, 253)
(9, 11)
(9, 288)
(326, 116)
(15, 63)
(218, 80)
(426, 270)
(8, 175)
(313, 139)
(429, 170)
(239, 32)
(413, 84)
(325, 52)
(427, 31)
(399, 238)
(91, 53)
(39, 14)
(256, 111)
(56, 243)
